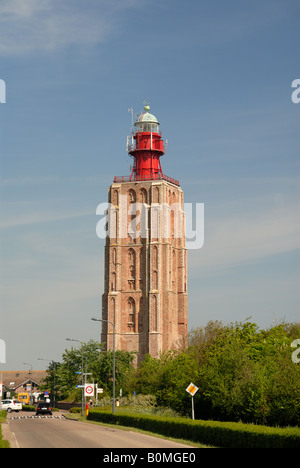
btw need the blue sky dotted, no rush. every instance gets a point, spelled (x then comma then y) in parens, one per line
(218, 78)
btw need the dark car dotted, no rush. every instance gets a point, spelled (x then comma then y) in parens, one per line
(43, 408)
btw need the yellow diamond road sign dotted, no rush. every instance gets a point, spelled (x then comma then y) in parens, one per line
(191, 389)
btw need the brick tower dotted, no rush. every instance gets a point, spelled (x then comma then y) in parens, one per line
(145, 291)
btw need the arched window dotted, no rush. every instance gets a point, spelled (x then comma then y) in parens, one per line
(154, 257)
(156, 195)
(131, 196)
(143, 196)
(155, 280)
(113, 282)
(174, 270)
(131, 268)
(113, 309)
(141, 268)
(114, 256)
(154, 314)
(115, 198)
(131, 315)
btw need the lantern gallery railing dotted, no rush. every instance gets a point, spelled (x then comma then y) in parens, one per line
(142, 177)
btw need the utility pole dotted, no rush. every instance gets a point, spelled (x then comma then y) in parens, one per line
(114, 361)
(82, 386)
(31, 382)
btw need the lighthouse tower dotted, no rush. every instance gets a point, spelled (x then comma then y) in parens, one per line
(145, 290)
(147, 147)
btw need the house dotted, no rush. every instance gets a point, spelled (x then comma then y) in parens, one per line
(22, 381)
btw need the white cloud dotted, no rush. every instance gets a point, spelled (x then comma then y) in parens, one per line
(14, 219)
(48, 25)
(51, 179)
(247, 235)
(47, 272)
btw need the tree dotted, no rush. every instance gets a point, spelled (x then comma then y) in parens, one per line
(167, 377)
(246, 373)
(96, 362)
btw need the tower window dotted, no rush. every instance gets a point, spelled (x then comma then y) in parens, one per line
(131, 315)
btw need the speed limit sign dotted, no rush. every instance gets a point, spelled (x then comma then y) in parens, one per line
(89, 390)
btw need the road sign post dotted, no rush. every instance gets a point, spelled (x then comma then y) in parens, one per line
(89, 390)
(192, 389)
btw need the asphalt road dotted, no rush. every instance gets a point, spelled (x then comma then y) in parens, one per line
(63, 433)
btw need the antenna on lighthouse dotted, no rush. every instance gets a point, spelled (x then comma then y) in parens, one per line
(146, 102)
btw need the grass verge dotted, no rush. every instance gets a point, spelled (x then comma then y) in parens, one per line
(3, 443)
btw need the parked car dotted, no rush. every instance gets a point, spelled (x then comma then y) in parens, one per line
(43, 408)
(11, 405)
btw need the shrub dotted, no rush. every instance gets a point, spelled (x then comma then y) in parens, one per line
(216, 433)
(75, 410)
(28, 408)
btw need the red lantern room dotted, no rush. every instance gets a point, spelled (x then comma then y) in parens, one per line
(146, 148)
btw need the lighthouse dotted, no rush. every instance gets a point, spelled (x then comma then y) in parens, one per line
(147, 147)
(145, 288)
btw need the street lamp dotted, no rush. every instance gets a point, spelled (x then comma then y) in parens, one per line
(114, 360)
(81, 342)
(31, 382)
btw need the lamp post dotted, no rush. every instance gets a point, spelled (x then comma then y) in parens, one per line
(81, 342)
(114, 360)
(31, 382)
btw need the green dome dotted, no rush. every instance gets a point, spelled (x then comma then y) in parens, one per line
(146, 117)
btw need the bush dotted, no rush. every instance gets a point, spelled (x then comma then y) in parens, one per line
(75, 410)
(216, 433)
(28, 408)
(141, 402)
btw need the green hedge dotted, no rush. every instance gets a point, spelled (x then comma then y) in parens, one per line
(218, 434)
(3, 443)
(75, 410)
(28, 408)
